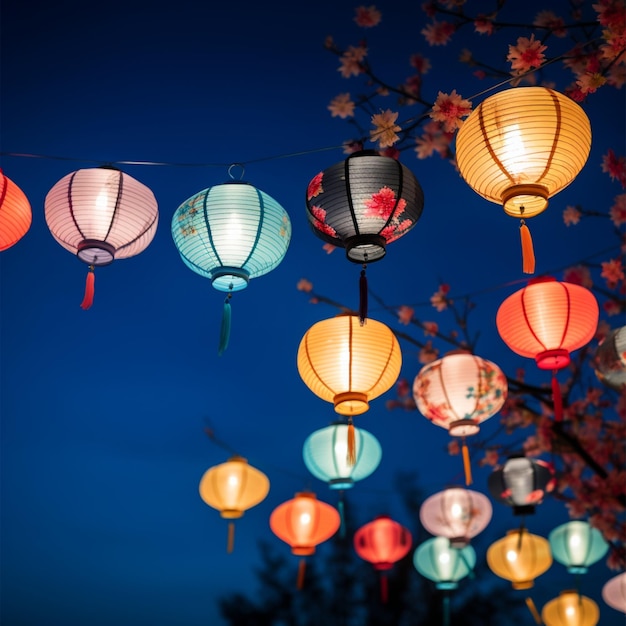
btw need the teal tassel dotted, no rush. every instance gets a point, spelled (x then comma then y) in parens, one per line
(342, 521)
(225, 328)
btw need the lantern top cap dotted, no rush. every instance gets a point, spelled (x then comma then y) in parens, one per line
(237, 458)
(306, 494)
(541, 279)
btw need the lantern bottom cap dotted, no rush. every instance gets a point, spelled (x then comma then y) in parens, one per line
(383, 566)
(351, 403)
(303, 550)
(365, 248)
(555, 359)
(577, 569)
(231, 513)
(446, 584)
(463, 428)
(522, 584)
(229, 278)
(95, 252)
(525, 200)
(341, 483)
(459, 542)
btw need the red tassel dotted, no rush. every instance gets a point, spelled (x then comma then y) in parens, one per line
(556, 398)
(89, 290)
(231, 537)
(301, 572)
(466, 464)
(384, 588)
(351, 456)
(528, 253)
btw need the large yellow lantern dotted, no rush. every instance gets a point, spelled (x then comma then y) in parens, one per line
(520, 147)
(519, 557)
(349, 364)
(232, 488)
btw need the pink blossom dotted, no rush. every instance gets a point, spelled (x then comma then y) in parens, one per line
(449, 109)
(491, 458)
(590, 82)
(438, 33)
(527, 54)
(571, 215)
(405, 314)
(412, 86)
(328, 248)
(578, 275)
(304, 285)
(430, 328)
(611, 13)
(315, 187)
(367, 17)
(439, 300)
(483, 25)
(403, 387)
(428, 354)
(611, 307)
(320, 221)
(384, 204)
(341, 106)
(350, 61)
(453, 447)
(352, 146)
(480, 74)
(612, 272)
(433, 140)
(618, 210)
(420, 63)
(385, 128)
(549, 21)
(615, 167)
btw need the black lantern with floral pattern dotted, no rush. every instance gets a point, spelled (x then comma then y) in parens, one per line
(362, 204)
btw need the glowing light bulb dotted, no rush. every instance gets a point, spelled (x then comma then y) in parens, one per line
(511, 556)
(456, 509)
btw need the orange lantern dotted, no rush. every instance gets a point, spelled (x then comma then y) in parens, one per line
(101, 215)
(349, 364)
(547, 320)
(304, 522)
(458, 392)
(570, 609)
(382, 542)
(520, 147)
(15, 213)
(232, 488)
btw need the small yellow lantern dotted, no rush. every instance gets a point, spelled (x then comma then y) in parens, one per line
(232, 488)
(570, 609)
(520, 147)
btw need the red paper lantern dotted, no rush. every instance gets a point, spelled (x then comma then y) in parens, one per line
(382, 542)
(15, 213)
(304, 522)
(547, 320)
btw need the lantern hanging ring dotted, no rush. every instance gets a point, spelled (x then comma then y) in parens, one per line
(230, 168)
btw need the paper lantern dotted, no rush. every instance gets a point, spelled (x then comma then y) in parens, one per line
(438, 561)
(521, 483)
(304, 522)
(230, 234)
(349, 364)
(362, 204)
(101, 215)
(232, 488)
(610, 360)
(325, 453)
(614, 592)
(456, 513)
(547, 320)
(520, 147)
(519, 557)
(570, 609)
(577, 545)
(16, 214)
(458, 392)
(382, 542)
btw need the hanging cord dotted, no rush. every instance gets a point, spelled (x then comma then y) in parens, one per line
(342, 520)
(363, 295)
(528, 253)
(89, 289)
(556, 398)
(446, 608)
(301, 572)
(231, 537)
(384, 587)
(225, 327)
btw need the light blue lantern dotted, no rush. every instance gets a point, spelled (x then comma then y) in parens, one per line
(230, 234)
(438, 561)
(325, 453)
(577, 545)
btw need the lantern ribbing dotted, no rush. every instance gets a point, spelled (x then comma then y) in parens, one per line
(16, 214)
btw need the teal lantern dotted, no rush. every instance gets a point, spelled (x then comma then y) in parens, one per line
(231, 233)
(325, 453)
(577, 545)
(438, 561)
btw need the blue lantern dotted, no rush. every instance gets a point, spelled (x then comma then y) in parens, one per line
(325, 453)
(577, 545)
(231, 233)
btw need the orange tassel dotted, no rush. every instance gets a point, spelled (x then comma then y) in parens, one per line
(533, 610)
(351, 456)
(466, 464)
(556, 398)
(301, 572)
(231, 537)
(89, 290)
(528, 254)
